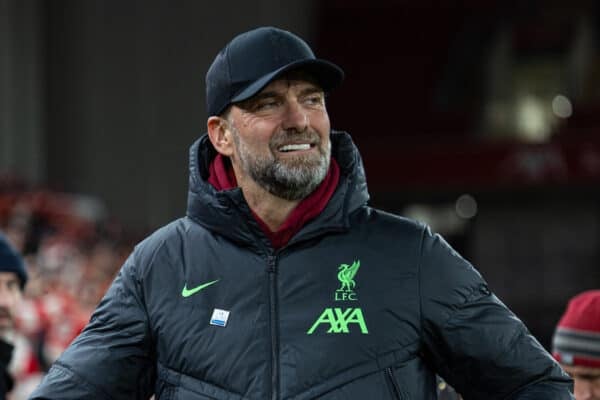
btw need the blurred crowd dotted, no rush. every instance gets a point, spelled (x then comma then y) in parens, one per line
(72, 253)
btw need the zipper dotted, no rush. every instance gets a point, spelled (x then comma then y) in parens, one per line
(272, 268)
(395, 387)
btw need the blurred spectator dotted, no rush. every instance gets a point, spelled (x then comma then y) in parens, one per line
(71, 253)
(12, 282)
(576, 344)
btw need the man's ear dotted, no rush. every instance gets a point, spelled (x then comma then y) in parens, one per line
(219, 134)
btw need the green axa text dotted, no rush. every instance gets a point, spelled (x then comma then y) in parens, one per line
(339, 320)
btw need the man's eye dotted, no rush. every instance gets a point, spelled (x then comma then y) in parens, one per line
(263, 105)
(314, 100)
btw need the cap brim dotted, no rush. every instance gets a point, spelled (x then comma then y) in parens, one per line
(328, 76)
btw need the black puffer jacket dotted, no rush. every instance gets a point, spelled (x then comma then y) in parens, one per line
(360, 304)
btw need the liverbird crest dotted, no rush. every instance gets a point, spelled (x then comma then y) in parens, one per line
(346, 276)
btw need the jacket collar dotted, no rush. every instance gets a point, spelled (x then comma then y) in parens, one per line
(227, 213)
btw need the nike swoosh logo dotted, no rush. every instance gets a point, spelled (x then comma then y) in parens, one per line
(185, 292)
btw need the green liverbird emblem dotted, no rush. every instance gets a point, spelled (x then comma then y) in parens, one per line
(346, 277)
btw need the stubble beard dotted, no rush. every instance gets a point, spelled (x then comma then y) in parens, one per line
(292, 179)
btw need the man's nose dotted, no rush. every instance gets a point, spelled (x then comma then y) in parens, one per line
(5, 299)
(5, 296)
(296, 117)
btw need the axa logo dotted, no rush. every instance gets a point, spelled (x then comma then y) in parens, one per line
(346, 277)
(338, 320)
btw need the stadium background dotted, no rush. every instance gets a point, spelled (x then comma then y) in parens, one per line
(480, 118)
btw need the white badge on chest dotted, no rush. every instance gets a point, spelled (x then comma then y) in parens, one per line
(219, 317)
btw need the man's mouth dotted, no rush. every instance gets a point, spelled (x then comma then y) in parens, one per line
(294, 147)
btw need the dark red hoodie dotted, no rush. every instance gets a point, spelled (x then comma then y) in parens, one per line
(222, 177)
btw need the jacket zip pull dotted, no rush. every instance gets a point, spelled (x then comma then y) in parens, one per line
(395, 387)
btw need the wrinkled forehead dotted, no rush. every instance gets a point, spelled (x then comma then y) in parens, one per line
(301, 78)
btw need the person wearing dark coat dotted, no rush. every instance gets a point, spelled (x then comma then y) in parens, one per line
(281, 282)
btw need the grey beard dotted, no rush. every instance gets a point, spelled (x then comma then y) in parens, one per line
(290, 182)
(287, 182)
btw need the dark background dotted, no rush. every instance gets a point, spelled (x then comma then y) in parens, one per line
(444, 99)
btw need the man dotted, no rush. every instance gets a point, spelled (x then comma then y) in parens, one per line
(281, 283)
(13, 277)
(576, 344)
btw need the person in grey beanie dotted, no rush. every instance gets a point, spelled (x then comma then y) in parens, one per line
(13, 278)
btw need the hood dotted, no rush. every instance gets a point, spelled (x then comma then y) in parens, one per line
(227, 213)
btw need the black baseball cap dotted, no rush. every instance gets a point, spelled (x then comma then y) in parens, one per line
(255, 58)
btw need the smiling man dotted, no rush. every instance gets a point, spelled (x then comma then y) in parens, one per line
(282, 283)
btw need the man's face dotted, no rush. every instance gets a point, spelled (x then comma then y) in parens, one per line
(587, 382)
(10, 295)
(281, 137)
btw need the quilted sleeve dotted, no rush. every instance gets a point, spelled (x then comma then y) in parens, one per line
(473, 340)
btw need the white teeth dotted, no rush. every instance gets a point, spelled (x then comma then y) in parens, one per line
(293, 147)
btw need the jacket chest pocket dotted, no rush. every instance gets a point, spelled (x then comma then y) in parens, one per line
(411, 379)
(382, 384)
